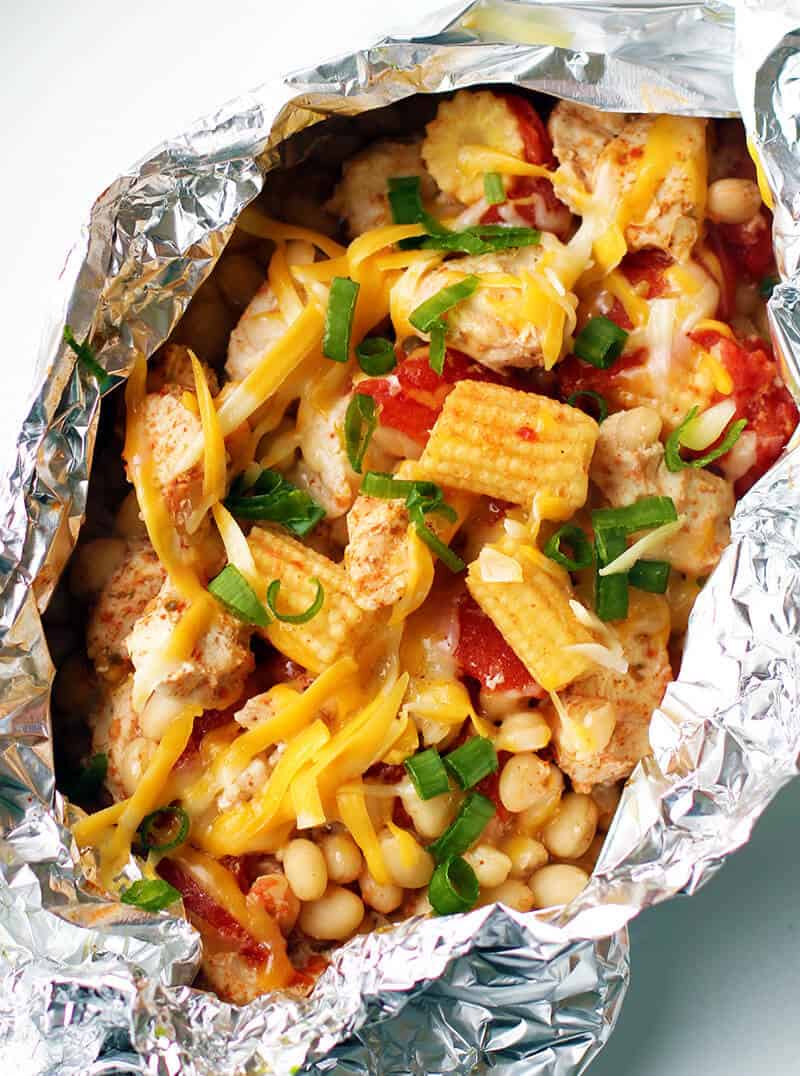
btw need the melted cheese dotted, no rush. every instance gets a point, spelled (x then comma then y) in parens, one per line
(90, 829)
(761, 177)
(214, 463)
(650, 543)
(720, 378)
(404, 746)
(420, 577)
(712, 325)
(477, 160)
(352, 805)
(377, 239)
(254, 222)
(236, 548)
(411, 851)
(635, 306)
(281, 282)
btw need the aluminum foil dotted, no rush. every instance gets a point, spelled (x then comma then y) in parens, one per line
(91, 987)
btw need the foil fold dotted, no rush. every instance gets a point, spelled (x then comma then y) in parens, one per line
(92, 987)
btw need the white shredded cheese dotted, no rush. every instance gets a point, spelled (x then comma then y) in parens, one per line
(515, 529)
(601, 655)
(497, 567)
(704, 430)
(648, 544)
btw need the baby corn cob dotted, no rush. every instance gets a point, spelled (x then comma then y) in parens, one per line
(337, 628)
(512, 445)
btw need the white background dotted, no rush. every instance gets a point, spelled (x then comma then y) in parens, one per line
(89, 87)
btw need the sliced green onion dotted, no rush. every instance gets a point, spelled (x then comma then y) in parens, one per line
(445, 554)
(672, 449)
(381, 484)
(88, 782)
(642, 514)
(453, 887)
(273, 590)
(232, 591)
(156, 819)
(427, 314)
(405, 199)
(600, 342)
(610, 591)
(360, 422)
(590, 394)
(87, 358)
(150, 894)
(767, 285)
(427, 504)
(582, 555)
(274, 499)
(436, 352)
(493, 190)
(650, 575)
(464, 830)
(472, 761)
(480, 239)
(422, 498)
(339, 318)
(376, 356)
(427, 774)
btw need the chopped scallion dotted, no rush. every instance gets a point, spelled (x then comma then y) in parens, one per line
(767, 285)
(380, 484)
(445, 554)
(376, 356)
(610, 591)
(232, 590)
(600, 342)
(87, 358)
(360, 422)
(650, 575)
(339, 318)
(405, 199)
(427, 773)
(493, 190)
(273, 590)
(641, 515)
(469, 823)
(453, 887)
(150, 894)
(427, 314)
(577, 541)
(472, 761)
(597, 399)
(159, 819)
(436, 352)
(480, 239)
(271, 497)
(672, 449)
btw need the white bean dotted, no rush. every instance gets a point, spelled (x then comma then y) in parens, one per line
(383, 898)
(523, 782)
(557, 884)
(524, 731)
(570, 831)
(335, 916)
(305, 869)
(408, 867)
(342, 857)
(491, 866)
(532, 820)
(513, 893)
(430, 817)
(526, 854)
(733, 201)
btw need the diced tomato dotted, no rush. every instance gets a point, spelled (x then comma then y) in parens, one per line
(619, 315)
(727, 294)
(760, 397)
(490, 787)
(200, 904)
(207, 722)
(648, 266)
(386, 773)
(573, 375)
(410, 400)
(483, 653)
(750, 244)
(536, 203)
(538, 147)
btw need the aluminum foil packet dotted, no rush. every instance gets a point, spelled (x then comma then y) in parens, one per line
(91, 987)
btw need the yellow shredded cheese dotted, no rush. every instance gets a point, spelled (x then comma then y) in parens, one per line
(420, 577)
(254, 222)
(281, 282)
(352, 805)
(720, 378)
(476, 160)
(712, 325)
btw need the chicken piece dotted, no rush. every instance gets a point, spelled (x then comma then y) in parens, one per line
(175, 371)
(171, 427)
(493, 326)
(634, 695)
(117, 734)
(120, 603)
(628, 463)
(263, 322)
(361, 198)
(214, 675)
(325, 471)
(603, 151)
(376, 557)
(233, 977)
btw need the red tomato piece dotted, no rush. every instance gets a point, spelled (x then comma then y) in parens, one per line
(200, 904)
(760, 397)
(750, 244)
(483, 653)
(534, 201)
(619, 315)
(206, 722)
(647, 266)
(575, 375)
(538, 147)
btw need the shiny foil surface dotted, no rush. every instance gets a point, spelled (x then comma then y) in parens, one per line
(92, 987)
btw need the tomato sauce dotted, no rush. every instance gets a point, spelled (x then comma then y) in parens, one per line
(483, 653)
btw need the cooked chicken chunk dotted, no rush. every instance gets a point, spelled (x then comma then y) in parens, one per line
(325, 470)
(634, 695)
(121, 602)
(602, 151)
(361, 198)
(376, 557)
(493, 326)
(175, 371)
(116, 733)
(628, 463)
(214, 675)
(171, 426)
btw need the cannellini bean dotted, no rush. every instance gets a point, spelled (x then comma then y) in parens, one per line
(513, 893)
(523, 781)
(499, 704)
(526, 854)
(491, 866)
(607, 798)
(335, 916)
(556, 884)
(587, 861)
(430, 817)
(305, 869)
(383, 898)
(93, 564)
(342, 857)
(570, 831)
(408, 867)
(545, 806)
(523, 731)
(128, 522)
(733, 201)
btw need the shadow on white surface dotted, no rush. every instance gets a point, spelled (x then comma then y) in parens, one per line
(716, 979)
